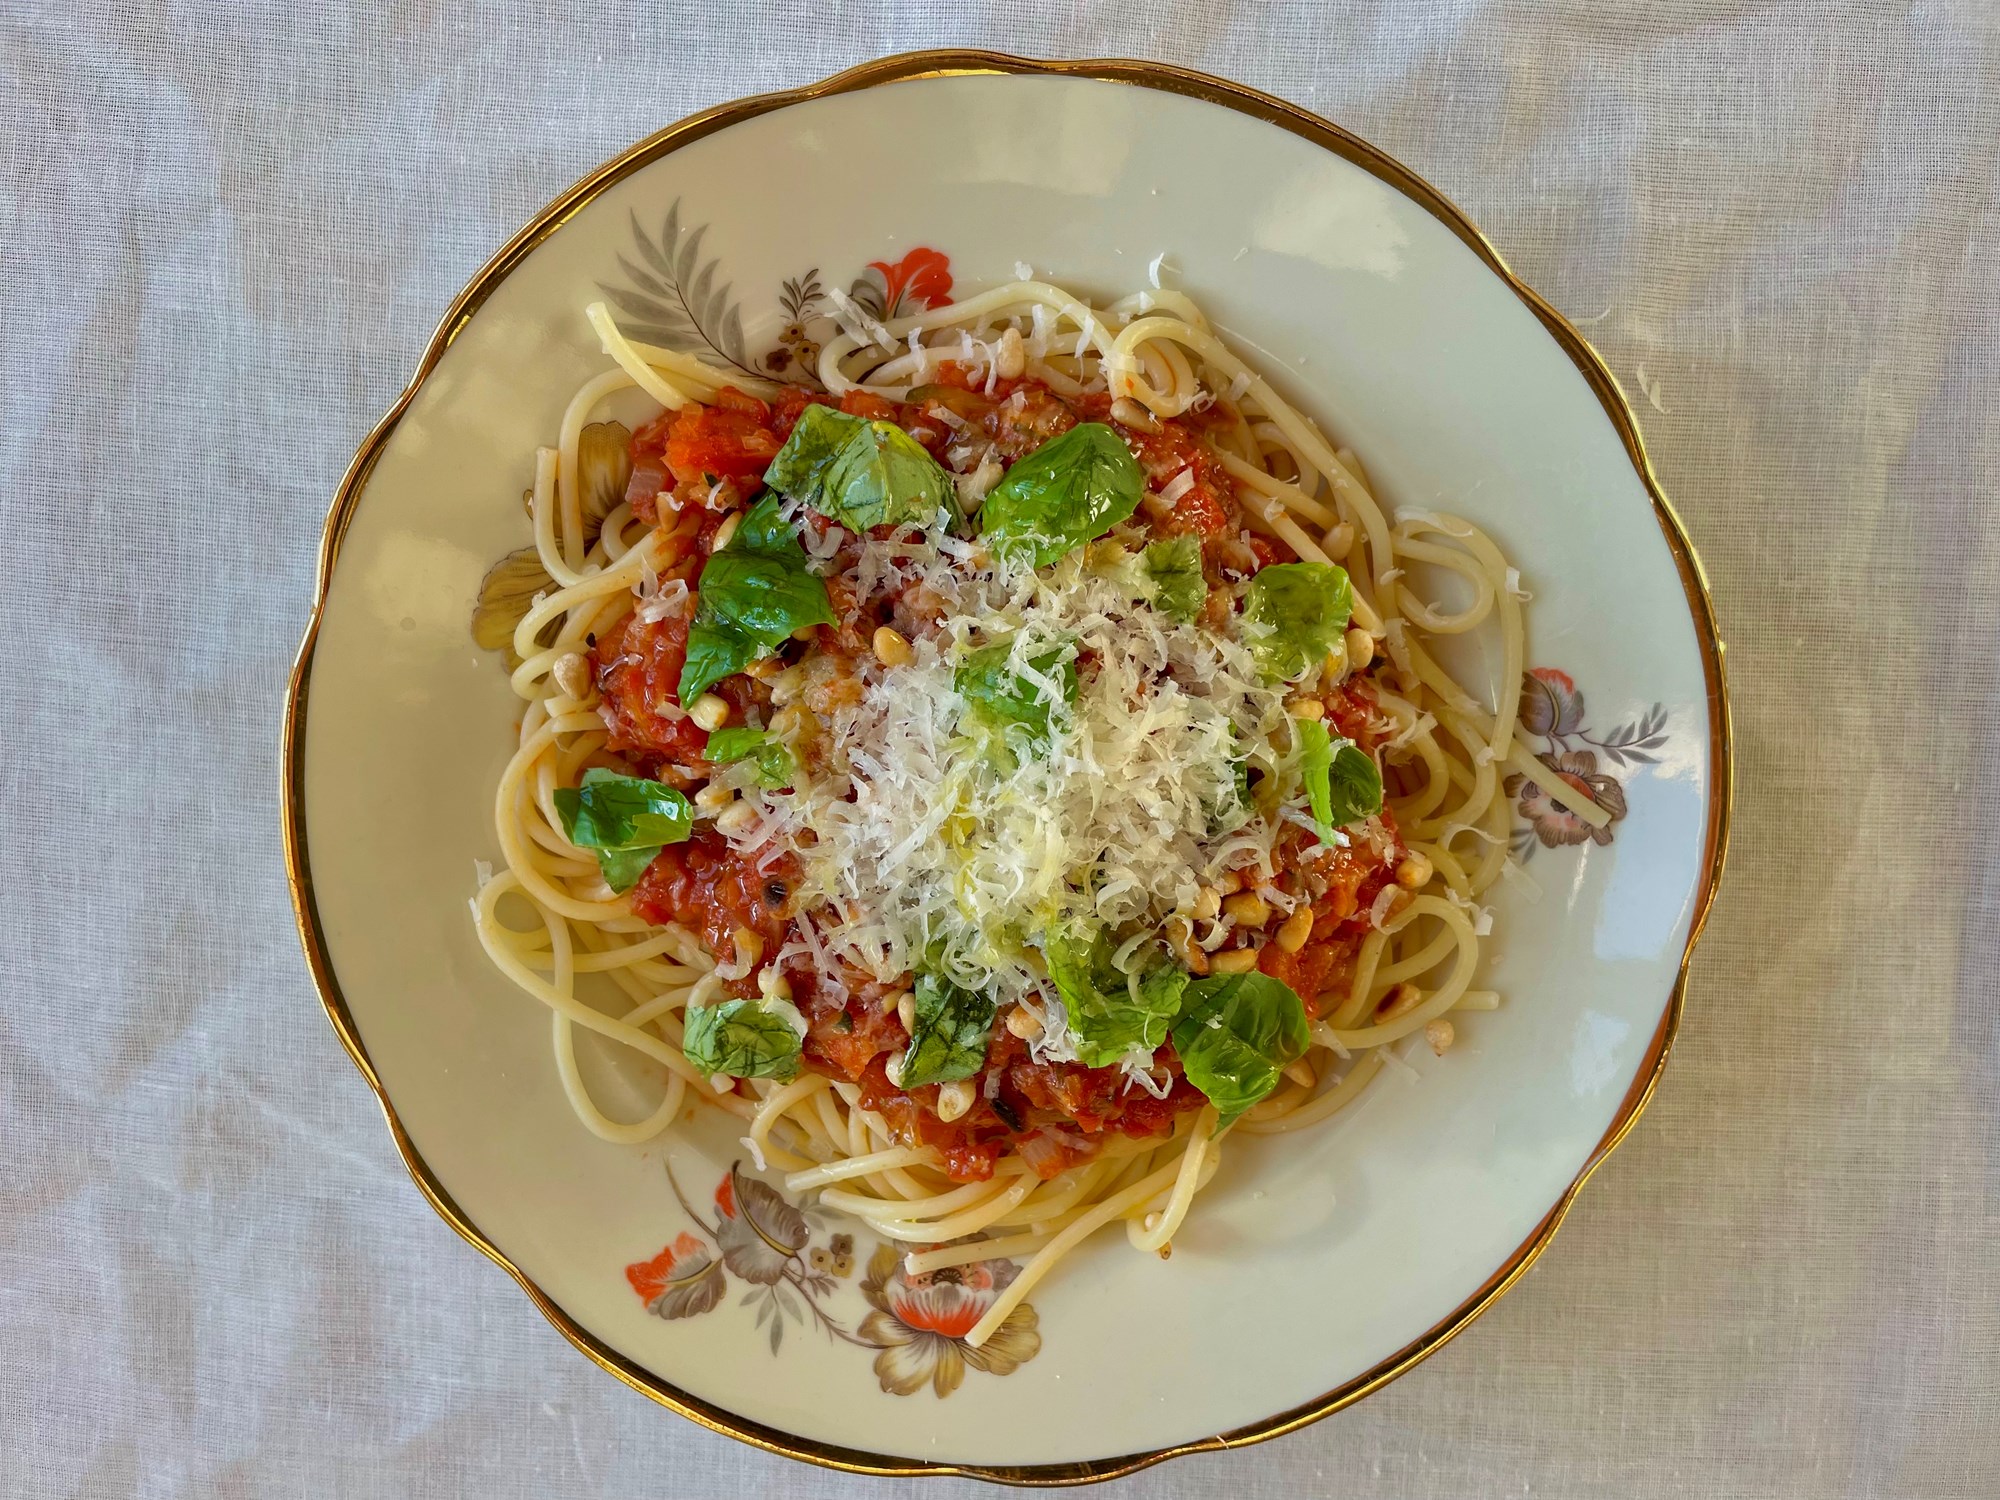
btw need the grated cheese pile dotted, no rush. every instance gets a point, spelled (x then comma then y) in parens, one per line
(935, 851)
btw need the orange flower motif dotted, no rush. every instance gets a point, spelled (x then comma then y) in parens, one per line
(924, 275)
(680, 1281)
(920, 1323)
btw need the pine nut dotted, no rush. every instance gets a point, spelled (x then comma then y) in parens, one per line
(806, 633)
(1306, 708)
(725, 531)
(906, 1012)
(1247, 909)
(893, 1069)
(1024, 1023)
(1011, 359)
(1360, 649)
(773, 985)
(1440, 1034)
(787, 685)
(764, 668)
(1235, 961)
(1339, 539)
(954, 1099)
(1404, 997)
(1180, 938)
(1414, 873)
(713, 798)
(892, 647)
(1207, 903)
(1296, 930)
(749, 947)
(889, 1003)
(572, 675)
(1229, 882)
(1151, 1221)
(1300, 1072)
(735, 819)
(709, 711)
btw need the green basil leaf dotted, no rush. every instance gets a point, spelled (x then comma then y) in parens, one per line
(772, 760)
(1174, 567)
(752, 595)
(744, 1038)
(884, 477)
(1293, 614)
(623, 867)
(1001, 696)
(1069, 490)
(1343, 783)
(609, 811)
(1111, 1013)
(1235, 1036)
(798, 472)
(949, 1038)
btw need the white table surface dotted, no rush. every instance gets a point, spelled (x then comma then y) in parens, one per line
(225, 233)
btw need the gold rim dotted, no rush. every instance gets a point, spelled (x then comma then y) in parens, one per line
(897, 69)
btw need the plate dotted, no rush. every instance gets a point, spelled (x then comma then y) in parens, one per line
(1315, 1269)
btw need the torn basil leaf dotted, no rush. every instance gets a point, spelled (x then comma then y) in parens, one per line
(744, 1038)
(1236, 1035)
(1343, 783)
(626, 820)
(1174, 568)
(948, 1040)
(860, 473)
(1293, 614)
(1112, 1013)
(1002, 696)
(771, 760)
(1068, 491)
(751, 596)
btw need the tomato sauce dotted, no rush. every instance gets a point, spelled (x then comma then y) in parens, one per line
(707, 461)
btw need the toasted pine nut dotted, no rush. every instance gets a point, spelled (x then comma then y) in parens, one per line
(893, 1068)
(1440, 1034)
(1306, 708)
(1011, 359)
(892, 647)
(1247, 909)
(1229, 882)
(954, 1099)
(787, 685)
(572, 675)
(1207, 902)
(749, 947)
(906, 1012)
(764, 668)
(1180, 938)
(709, 711)
(1235, 961)
(1151, 1221)
(1403, 997)
(1296, 929)
(1131, 414)
(713, 798)
(1024, 1023)
(1414, 873)
(806, 633)
(736, 818)
(889, 1002)
(1300, 1072)
(725, 531)
(1339, 539)
(1360, 649)
(773, 985)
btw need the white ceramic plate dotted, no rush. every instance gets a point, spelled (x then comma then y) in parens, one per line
(1316, 1267)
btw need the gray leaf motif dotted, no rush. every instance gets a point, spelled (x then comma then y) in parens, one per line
(760, 1233)
(696, 1288)
(1550, 704)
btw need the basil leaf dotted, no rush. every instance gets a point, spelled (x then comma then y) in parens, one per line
(1174, 567)
(1111, 1013)
(1069, 490)
(798, 472)
(744, 1038)
(772, 760)
(884, 477)
(949, 1038)
(999, 694)
(623, 867)
(1235, 1037)
(1293, 614)
(752, 595)
(609, 811)
(1343, 783)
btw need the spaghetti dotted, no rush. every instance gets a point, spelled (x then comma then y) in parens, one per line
(1049, 841)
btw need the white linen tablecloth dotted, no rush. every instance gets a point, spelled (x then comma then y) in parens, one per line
(226, 232)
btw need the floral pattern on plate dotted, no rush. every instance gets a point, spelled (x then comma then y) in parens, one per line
(791, 1263)
(1552, 711)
